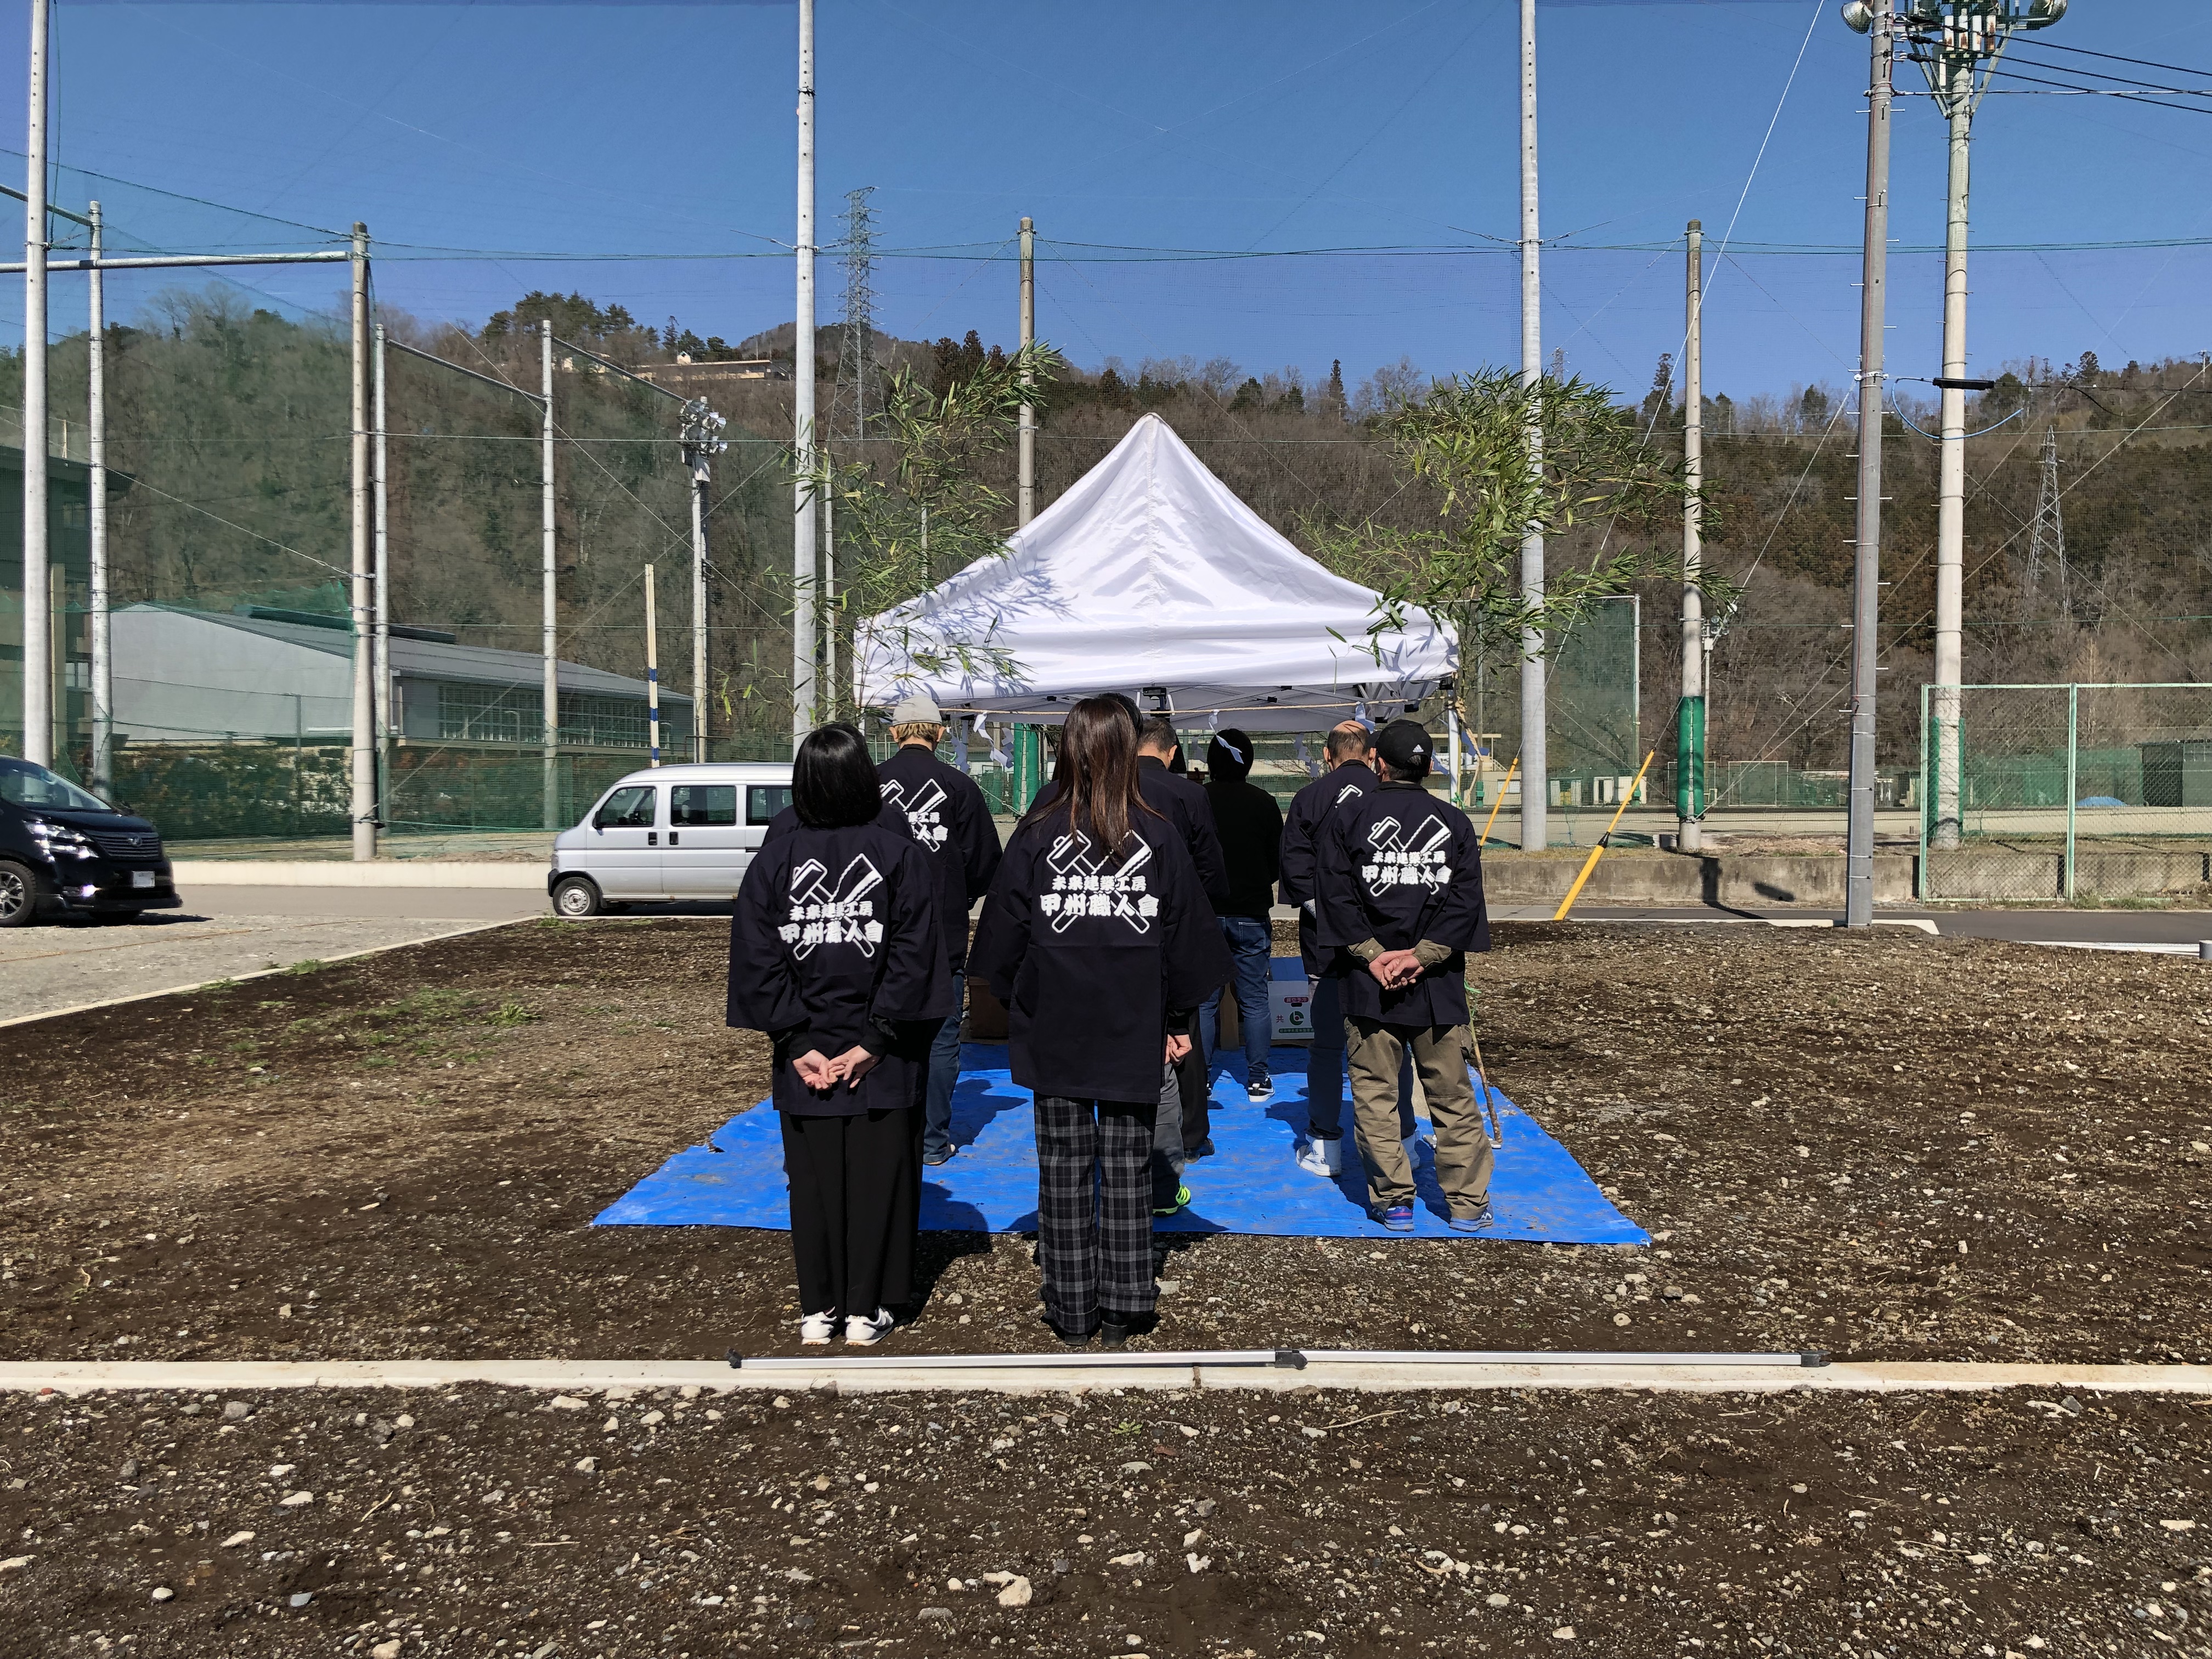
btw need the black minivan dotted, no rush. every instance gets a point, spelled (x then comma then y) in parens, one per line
(66, 853)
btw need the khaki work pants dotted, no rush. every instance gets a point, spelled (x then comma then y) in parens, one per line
(1373, 1052)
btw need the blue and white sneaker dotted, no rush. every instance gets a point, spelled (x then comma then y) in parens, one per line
(1399, 1217)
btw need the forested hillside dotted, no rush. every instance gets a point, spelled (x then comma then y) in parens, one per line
(233, 424)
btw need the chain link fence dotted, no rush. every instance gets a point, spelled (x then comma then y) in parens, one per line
(2065, 792)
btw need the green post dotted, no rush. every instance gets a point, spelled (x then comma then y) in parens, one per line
(1920, 880)
(2072, 776)
(1690, 760)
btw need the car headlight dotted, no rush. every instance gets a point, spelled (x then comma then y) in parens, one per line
(56, 840)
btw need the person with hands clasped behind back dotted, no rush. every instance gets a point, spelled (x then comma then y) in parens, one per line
(1400, 892)
(834, 952)
(1099, 941)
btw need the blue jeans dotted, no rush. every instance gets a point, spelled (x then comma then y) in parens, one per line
(1249, 945)
(1325, 1068)
(943, 1073)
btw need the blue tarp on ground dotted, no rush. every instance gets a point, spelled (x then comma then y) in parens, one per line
(1250, 1185)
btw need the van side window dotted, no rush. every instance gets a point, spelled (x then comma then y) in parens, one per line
(626, 809)
(764, 800)
(703, 805)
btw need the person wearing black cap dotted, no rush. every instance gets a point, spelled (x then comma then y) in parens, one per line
(1348, 780)
(1401, 901)
(1250, 826)
(950, 821)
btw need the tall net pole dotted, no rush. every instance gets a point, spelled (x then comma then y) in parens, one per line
(38, 633)
(1866, 577)
(856, 353)
(1535, 775)
(548, 584)
(364, 575)
(103, 654)
(1690, 723)
(1025, 486)
(803, 595)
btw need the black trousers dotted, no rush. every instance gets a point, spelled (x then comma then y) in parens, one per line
(855, 1208)
(1094, 1211)
(1197, 1094)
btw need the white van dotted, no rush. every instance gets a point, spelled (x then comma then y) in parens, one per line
(672, 832)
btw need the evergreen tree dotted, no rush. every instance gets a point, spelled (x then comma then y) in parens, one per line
(1812, 410)
(1658, 401)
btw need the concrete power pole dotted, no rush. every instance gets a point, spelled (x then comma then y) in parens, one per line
(1957, 43)
(103, 650)
(379, 470)
(1025, 498)
(548, 583)
(1690, 724)
(364, 575)
(1535, 775)
(702, 441)
(803, 578)
(37, 636)
(1866, 580)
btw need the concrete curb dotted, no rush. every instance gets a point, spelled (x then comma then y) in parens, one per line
(337, 872)
(262, 973)
(586, 1376)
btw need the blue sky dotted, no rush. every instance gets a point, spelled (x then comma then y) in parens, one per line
(506, 130)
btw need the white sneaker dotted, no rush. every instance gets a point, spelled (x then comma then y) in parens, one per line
(863, 1331)
(1322, 1158)
(816, 1330)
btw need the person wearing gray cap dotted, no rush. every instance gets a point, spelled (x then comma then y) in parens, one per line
(949, 818)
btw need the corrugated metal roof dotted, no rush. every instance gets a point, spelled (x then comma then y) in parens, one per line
(429, 660)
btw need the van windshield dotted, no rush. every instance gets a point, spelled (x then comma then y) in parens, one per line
(25, 783)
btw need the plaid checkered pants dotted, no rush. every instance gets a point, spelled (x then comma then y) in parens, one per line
(1094, 1210)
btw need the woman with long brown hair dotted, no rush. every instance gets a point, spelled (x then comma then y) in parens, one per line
(1099, 941)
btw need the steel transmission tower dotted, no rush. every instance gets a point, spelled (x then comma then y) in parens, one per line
(2046, 547)
(856, 353)
(1957, 44)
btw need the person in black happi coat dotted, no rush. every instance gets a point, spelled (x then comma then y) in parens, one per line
(1349, 778)
(1099, 941)
(835, 953)
(1400, 879)
(950, 822)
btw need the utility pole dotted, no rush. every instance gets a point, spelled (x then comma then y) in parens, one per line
(549, 583)
(1535, 774)
(1025, 496)
(385, 715)
(364, 577)
(651, 677)
(1690, 723)
(38, 636)
(702, 441)
(1866, 576)
(100, 602)
(1957, 43)
(803, 595)
(829, 700)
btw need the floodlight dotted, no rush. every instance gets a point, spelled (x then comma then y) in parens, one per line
(1858, 16)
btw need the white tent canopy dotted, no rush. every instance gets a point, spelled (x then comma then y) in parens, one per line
(1150, 575)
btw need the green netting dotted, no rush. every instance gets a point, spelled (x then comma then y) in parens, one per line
(2045, 791)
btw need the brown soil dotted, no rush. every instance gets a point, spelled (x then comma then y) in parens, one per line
(1892, 1146)
(1230, 1526)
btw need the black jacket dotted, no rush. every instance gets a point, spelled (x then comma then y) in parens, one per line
(1096, 956)
(833, 944)
(951, 821)
(1399, 865)
(1251, 827)
(1183, 803)
(1309, 810)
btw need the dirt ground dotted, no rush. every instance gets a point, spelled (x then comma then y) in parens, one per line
(1893, 1146)
(1231, 1525)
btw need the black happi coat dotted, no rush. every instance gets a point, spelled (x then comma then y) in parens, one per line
(1093, 952)
(1182, 804)
(834, 944)
(1310, 810)
(1400, 866)
(950, 821)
